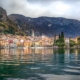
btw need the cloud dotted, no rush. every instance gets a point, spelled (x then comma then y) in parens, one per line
(36, 8)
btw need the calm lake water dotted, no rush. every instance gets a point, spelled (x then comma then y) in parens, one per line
(39, 64)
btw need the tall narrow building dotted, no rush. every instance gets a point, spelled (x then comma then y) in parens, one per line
(33, 33)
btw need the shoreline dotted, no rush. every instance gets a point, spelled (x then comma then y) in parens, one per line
(38, 47)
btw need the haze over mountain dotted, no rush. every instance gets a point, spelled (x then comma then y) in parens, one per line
(60, 15)
(47, 25)
(36, 8)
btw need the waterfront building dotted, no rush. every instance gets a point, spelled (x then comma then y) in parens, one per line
(67, 42)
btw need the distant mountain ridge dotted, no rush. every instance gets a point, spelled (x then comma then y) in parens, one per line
(49, 26)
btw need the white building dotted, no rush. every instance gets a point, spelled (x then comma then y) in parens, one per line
(67, 42)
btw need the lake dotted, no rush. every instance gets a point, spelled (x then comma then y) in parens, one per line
(39, 64)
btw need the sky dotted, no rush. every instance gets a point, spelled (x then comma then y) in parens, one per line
(36, 8)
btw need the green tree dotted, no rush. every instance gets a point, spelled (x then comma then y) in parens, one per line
(1, 29)
(72, 43)
(59, 36)
(54, 38)
(60, 41)
(78, 40)
(62, 37)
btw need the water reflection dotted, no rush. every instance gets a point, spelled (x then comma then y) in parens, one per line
(29, 63)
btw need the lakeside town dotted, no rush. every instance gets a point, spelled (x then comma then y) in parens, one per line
(39, 40)
(14, 41)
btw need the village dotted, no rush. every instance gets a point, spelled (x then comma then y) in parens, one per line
(14, 41)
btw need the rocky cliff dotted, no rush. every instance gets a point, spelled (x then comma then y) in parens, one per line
(7, 26)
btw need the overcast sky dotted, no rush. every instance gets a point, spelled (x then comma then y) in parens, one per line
(36, 8)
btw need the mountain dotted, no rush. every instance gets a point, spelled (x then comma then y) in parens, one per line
(49, 26)
(7, 26)
(25, 24)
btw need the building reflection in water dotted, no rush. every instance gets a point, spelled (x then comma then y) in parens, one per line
(67, 55)
(45, 55)
(27, 54)
(13, 62)
(76, 55)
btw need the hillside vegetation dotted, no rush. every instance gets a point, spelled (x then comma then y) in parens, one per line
(7, 26)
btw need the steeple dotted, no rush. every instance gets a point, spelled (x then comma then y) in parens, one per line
(33, 33)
